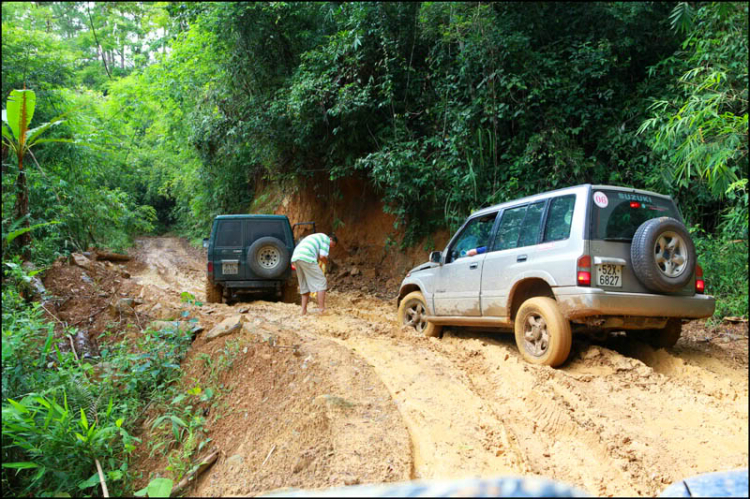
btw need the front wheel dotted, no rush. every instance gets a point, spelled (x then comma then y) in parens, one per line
(412, 312)
(543, 334)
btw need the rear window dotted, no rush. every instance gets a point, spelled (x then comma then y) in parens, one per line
(229, 233)
(616, 215)
(255, 229)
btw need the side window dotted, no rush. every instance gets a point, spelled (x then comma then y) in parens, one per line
(230, 233)
(475, 235)
(560, 218)
(531, 225)
(510, 228)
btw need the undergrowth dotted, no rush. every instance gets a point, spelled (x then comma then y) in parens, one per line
(61, 415)
(725, 270)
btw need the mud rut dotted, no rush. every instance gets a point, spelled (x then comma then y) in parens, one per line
(618, 418)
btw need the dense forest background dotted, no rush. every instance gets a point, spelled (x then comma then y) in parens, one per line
(176, 110)
(156, 116)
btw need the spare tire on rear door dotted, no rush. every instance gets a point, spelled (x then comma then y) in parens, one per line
(663, 255)
(268, 257)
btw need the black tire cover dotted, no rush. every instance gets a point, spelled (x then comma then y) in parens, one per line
(643, 255)
(268, 269)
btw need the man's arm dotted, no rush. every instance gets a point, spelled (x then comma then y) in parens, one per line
(477, 251)
(323, 253)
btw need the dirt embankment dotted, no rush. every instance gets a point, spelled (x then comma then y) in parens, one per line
(352, 397)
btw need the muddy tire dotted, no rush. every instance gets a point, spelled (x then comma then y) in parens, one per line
(667, 337)
(543, 335)
(268, 257)
(214, 292)
(411, 312)
(290, 292)
(663, 255)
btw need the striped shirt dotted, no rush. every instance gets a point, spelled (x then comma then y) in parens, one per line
(312, 247)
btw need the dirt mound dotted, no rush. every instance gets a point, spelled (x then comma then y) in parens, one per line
(305, 412)
(92, 296)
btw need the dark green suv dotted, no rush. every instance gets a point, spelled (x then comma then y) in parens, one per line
(249, 253)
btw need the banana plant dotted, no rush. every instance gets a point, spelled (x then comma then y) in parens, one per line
(19, 138)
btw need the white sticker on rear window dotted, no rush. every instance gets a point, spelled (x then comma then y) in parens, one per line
(600, 199)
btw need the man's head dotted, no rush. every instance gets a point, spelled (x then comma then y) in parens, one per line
(334, 240)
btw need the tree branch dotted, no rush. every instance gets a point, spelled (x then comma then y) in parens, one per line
(101, 50)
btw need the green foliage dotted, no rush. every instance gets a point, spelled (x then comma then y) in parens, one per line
(446, 107)
(701, 126)
(158, 487)
(22, 326)
(53, 406)
(725, 270)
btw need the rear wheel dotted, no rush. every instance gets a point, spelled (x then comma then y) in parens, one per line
(214, 292)
(543, 334)
(667, 337)
(412, 312)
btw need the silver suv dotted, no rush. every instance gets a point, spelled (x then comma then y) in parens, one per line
(586, 259)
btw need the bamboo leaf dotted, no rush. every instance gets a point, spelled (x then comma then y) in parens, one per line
(91, 482)
(84, 421)
(21, 465)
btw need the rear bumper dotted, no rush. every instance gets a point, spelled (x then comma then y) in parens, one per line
(253, 284)
(576, 302)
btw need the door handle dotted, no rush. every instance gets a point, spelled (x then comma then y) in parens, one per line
(521, 258)
(473, 265)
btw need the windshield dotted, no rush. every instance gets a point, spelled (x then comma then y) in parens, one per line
(617, 215)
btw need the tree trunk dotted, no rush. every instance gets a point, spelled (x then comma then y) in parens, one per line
(96, 40)
(22, 210)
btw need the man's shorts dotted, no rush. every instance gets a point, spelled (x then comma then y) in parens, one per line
(310, 277)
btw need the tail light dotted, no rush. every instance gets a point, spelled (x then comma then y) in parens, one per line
(210, 267)
(583, 274)
(700, 284)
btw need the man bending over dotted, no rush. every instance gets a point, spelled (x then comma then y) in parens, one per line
(311, 250)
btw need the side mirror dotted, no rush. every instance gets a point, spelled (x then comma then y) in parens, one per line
(435, 256)
(205, 242)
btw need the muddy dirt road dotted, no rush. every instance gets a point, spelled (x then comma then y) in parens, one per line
(352, 397)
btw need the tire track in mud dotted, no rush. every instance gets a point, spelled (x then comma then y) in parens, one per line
(449, 426)
(606, 422)
(542, 408)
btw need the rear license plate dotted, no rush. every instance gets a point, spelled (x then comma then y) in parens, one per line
(229, 268)
(609, 275)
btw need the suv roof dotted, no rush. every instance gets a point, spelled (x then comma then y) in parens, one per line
(243, 217)
(556, 192)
